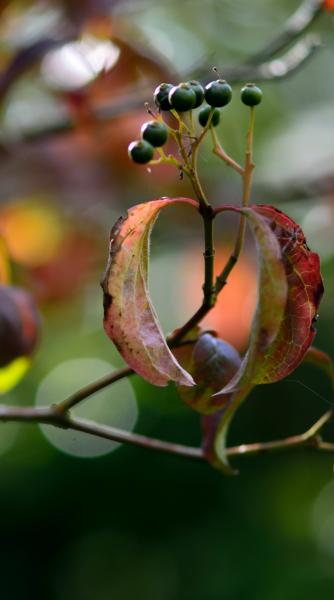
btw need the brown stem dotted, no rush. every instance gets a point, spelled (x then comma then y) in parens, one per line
(247, 173)
(92, 388)
(220, 152)
(295, 26)
(308, 438)
(52, 416)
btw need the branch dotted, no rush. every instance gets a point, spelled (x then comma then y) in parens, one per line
(275, 69)
(52, 416)
(295, 26)
(100, 384)
(92, 388)
(309, 438)
(279, 67)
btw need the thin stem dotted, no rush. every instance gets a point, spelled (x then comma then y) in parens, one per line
(166, 160)
(249, 165)
(92, 388)
(182, 124)
(191, 170)
(209, 296)
(135, 439)
(219, 151)
(209, 290)
(295, 26)
(180, 333)
(309, 437)
(247, 173)
(52, 416)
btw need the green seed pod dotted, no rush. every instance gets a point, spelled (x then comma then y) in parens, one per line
(140, 152)
(199, 91)
(155, 132)
(251, 95)
(204, 113)
(182, 97)
(161, 96)
(218, 93)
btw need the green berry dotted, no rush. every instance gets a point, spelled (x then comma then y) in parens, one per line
(218, 93)
(161, 96)
(155, 132)
(251, 95)
(182, 97)
(140, 151)
(204, 113)
(199, 91)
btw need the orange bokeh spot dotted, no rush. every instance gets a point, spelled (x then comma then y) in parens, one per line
(231, 317)
(328, 4)
(32, 230)
(4, 264)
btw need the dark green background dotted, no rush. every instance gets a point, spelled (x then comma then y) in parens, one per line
(140, 525)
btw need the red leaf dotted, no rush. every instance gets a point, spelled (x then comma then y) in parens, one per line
(129, 318)
(271, 303)
(305, 290)
(294, 332)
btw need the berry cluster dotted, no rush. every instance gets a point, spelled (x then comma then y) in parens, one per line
(182, 98)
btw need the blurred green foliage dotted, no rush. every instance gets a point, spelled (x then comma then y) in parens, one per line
(134, 524)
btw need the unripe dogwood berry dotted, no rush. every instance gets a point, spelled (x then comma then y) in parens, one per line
(155, 132)
(218, 93)
(204, 113)
(199, 91)
(182, 97)
(160, 96)
(141, 151)
(251, 94)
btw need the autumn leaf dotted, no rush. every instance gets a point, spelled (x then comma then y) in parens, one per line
(272, 297)
(129, 316)
(305, 290)
(295, 331)
(304, 287)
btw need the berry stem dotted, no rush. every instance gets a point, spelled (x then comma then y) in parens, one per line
(247, 173)
(249, 165)
(219, 151)
(182, 124)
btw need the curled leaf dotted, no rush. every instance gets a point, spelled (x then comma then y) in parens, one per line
(305, 290)
(272, 297)
(292, 327)
(129, 316)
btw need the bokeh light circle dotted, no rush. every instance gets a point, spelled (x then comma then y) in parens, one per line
(115, 405)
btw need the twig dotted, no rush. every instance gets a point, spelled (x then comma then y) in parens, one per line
(92, 388)
(308, 438)
(52, 416)
(295, 26)
(272, 70)
(246, 174)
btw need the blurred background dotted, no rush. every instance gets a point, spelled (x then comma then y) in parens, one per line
(82, 517)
